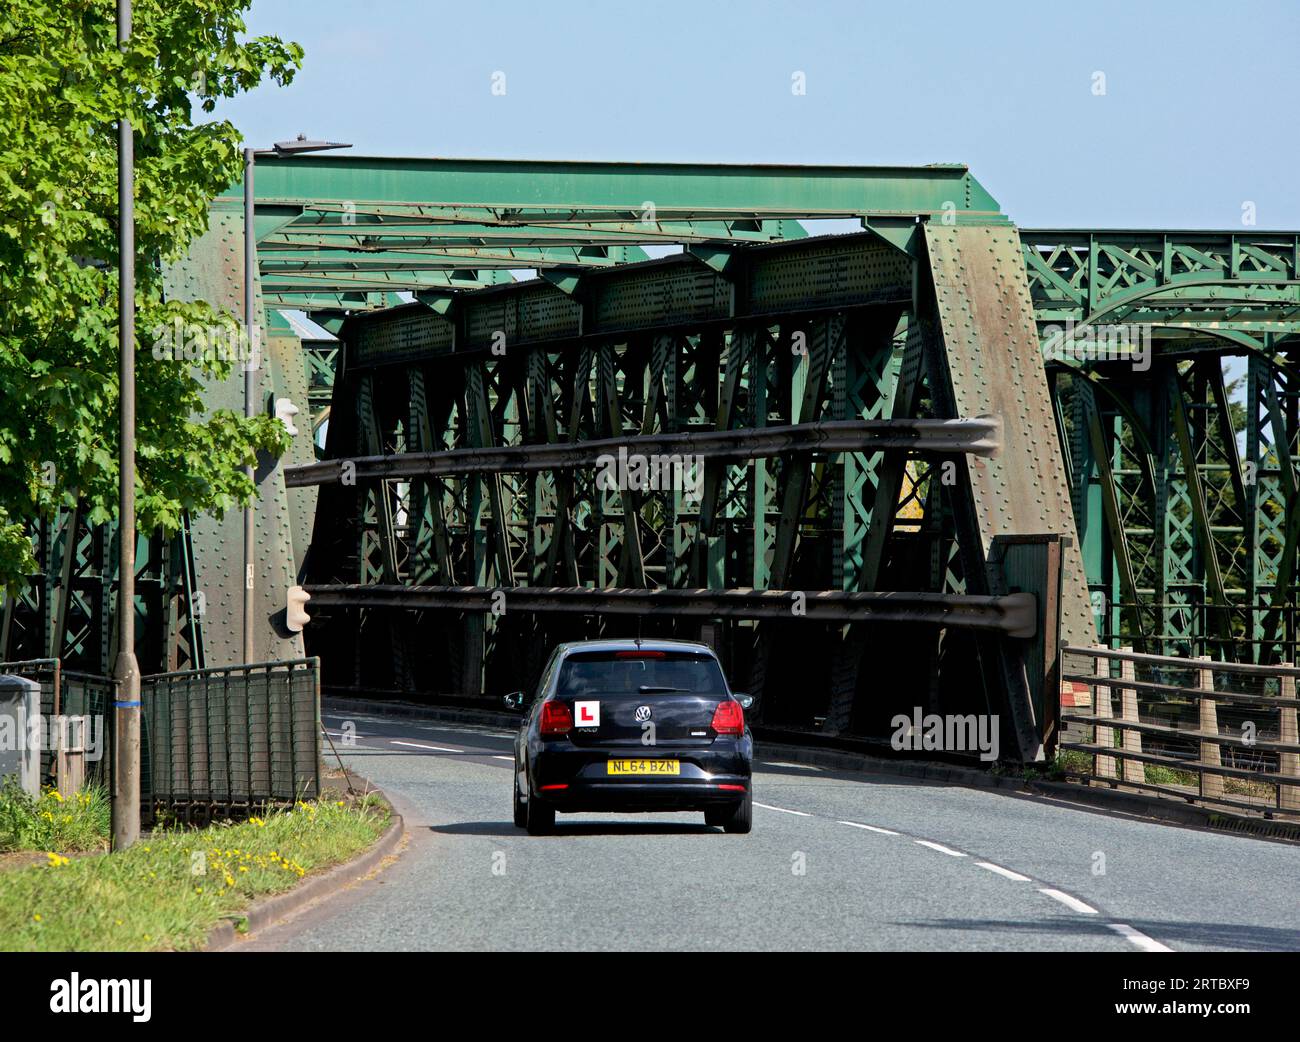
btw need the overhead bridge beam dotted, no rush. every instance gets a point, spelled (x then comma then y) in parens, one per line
(523, 191)
(1014, 615)
(980, 437)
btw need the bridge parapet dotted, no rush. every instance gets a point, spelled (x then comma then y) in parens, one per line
(1219, 734)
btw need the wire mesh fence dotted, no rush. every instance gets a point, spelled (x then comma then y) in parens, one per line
(233, 737)
(212, 740)
(1222, 734)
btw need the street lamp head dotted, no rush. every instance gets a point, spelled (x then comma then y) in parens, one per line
(302, 144)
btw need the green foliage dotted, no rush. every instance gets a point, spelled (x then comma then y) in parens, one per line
(64, 84)
(52, 823)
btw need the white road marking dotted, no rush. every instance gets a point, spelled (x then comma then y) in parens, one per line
(1003, 871)
(510, 758)
(939, 847)
(1072, 903)
(796, 766)
(1147, 944)
(431, 748)
(869, 828)
(767, 806)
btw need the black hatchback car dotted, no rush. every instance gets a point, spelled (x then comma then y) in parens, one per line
(632, 725)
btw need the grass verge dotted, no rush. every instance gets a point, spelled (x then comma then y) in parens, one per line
(173, 886)
(49, 822)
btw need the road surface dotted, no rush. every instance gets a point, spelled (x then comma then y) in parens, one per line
(835, 861)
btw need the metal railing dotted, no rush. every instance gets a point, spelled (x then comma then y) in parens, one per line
(69, 693)
(1221, 734)
(232, 737)
(212, 740)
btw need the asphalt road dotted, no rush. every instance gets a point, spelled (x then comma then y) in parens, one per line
(835, 861)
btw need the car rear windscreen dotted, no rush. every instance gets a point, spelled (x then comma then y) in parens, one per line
(614, 673)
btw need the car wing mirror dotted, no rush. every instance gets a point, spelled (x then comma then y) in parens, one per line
(514, 701)
(746, 701)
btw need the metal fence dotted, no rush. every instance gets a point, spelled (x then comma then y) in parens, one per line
(234, 737)
(1222, 734)
(212, 740)
(69, 693)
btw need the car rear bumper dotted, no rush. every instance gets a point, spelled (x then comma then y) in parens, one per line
(708, 777)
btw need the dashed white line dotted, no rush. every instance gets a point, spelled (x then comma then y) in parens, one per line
(1072, 903)
(939, 847)
(1147, 944)
(768, 806)
(431, 748)
(510, 758)
(1005, 872)
(869, 828)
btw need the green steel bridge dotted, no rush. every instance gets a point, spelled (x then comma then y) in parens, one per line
(929, 450)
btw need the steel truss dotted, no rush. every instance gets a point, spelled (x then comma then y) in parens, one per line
(851, 460)
(1185, 492)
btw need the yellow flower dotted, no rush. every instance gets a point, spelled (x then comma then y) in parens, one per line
(56, 859)
(57, 795)
(37, 917)
(117, 922)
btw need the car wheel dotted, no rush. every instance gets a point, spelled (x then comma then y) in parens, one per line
(741, 816)
(521, 808)
(540, 817)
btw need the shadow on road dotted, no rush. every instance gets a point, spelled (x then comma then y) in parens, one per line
(579, 828)
(1218, 936)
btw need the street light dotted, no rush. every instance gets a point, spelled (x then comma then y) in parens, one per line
(281, 148)
(125, 807)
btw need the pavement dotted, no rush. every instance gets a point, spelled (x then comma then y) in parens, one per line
(836, 861)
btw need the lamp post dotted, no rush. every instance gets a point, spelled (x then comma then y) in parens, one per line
(126, 670)
(281, 148)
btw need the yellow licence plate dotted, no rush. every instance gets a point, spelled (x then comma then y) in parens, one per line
(644, 767)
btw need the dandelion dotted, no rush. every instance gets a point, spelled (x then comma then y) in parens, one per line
(37, 917)
(56, 859)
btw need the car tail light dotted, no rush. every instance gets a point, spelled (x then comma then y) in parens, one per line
(640, 654)
(556, 718)
(727, 788)
(729, 718)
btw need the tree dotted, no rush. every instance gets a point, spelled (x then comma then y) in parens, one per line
(64, 84)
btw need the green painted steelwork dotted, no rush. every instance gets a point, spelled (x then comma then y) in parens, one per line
(1184, 487)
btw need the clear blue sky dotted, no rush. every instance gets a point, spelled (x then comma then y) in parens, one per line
(1200, 114)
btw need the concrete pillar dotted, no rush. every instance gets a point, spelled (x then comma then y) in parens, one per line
(1211, 784)
(1132, 740)
(1104, 767)
(1289, 763)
